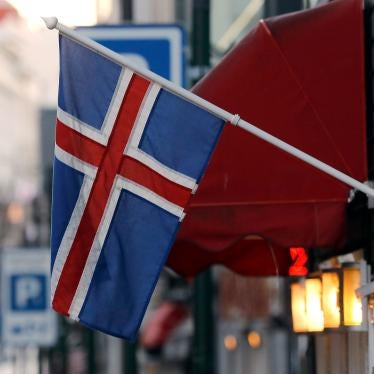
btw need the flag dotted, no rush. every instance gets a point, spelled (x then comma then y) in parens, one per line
(128, 155)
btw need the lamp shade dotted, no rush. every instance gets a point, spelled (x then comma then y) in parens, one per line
(314, 313)
(298, 307)
(306, 305)
(331, 298)
(351, 303)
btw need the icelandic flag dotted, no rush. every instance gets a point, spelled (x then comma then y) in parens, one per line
(128, 155)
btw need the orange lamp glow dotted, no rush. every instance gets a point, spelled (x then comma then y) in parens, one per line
(330, 301)
(230, 342)
(298, 307)
(314, 313)
(306, 305)
(330, 298)
(254, 339)
(351, 303)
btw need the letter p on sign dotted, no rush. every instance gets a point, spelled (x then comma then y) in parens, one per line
(28, 292)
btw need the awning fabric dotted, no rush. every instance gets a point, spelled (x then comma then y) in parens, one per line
(301, 78)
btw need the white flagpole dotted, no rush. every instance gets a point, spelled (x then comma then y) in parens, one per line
(52, 23)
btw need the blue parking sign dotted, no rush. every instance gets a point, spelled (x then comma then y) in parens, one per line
(26, 317)
(159, 48)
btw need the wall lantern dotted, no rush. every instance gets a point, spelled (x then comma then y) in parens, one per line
(298, 308)
(307, 314)
(331, 298)
(341, 304)
(313, 297)
(352, 304)
(330, 301)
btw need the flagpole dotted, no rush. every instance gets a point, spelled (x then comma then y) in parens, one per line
(52, 23)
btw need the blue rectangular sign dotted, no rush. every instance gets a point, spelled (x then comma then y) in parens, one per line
(26, 315)
(159, 48)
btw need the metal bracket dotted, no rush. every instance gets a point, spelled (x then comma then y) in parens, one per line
(365, 290)
(370, 198)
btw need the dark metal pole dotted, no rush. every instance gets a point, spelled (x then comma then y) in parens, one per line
(201, 33)
(127, 10)
(130, 365)
(91, 351)
(129, 354)
(204, 361)
(200, 43)
(204, 331)
(61, 352)
(311, 355)
(275, 7)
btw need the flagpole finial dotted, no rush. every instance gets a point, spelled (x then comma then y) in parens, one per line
(51, 22)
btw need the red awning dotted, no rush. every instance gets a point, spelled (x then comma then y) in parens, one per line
(300, 77)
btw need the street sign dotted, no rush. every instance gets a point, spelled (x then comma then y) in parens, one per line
(26, 315)
(160, 48)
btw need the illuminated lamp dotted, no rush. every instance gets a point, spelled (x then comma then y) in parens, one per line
(298, 307)
(352, 278)
(230, 342)
(313, 297)
(331, 298)
(342, 307)
(331, 301)
(254, 339)
(306, 305)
